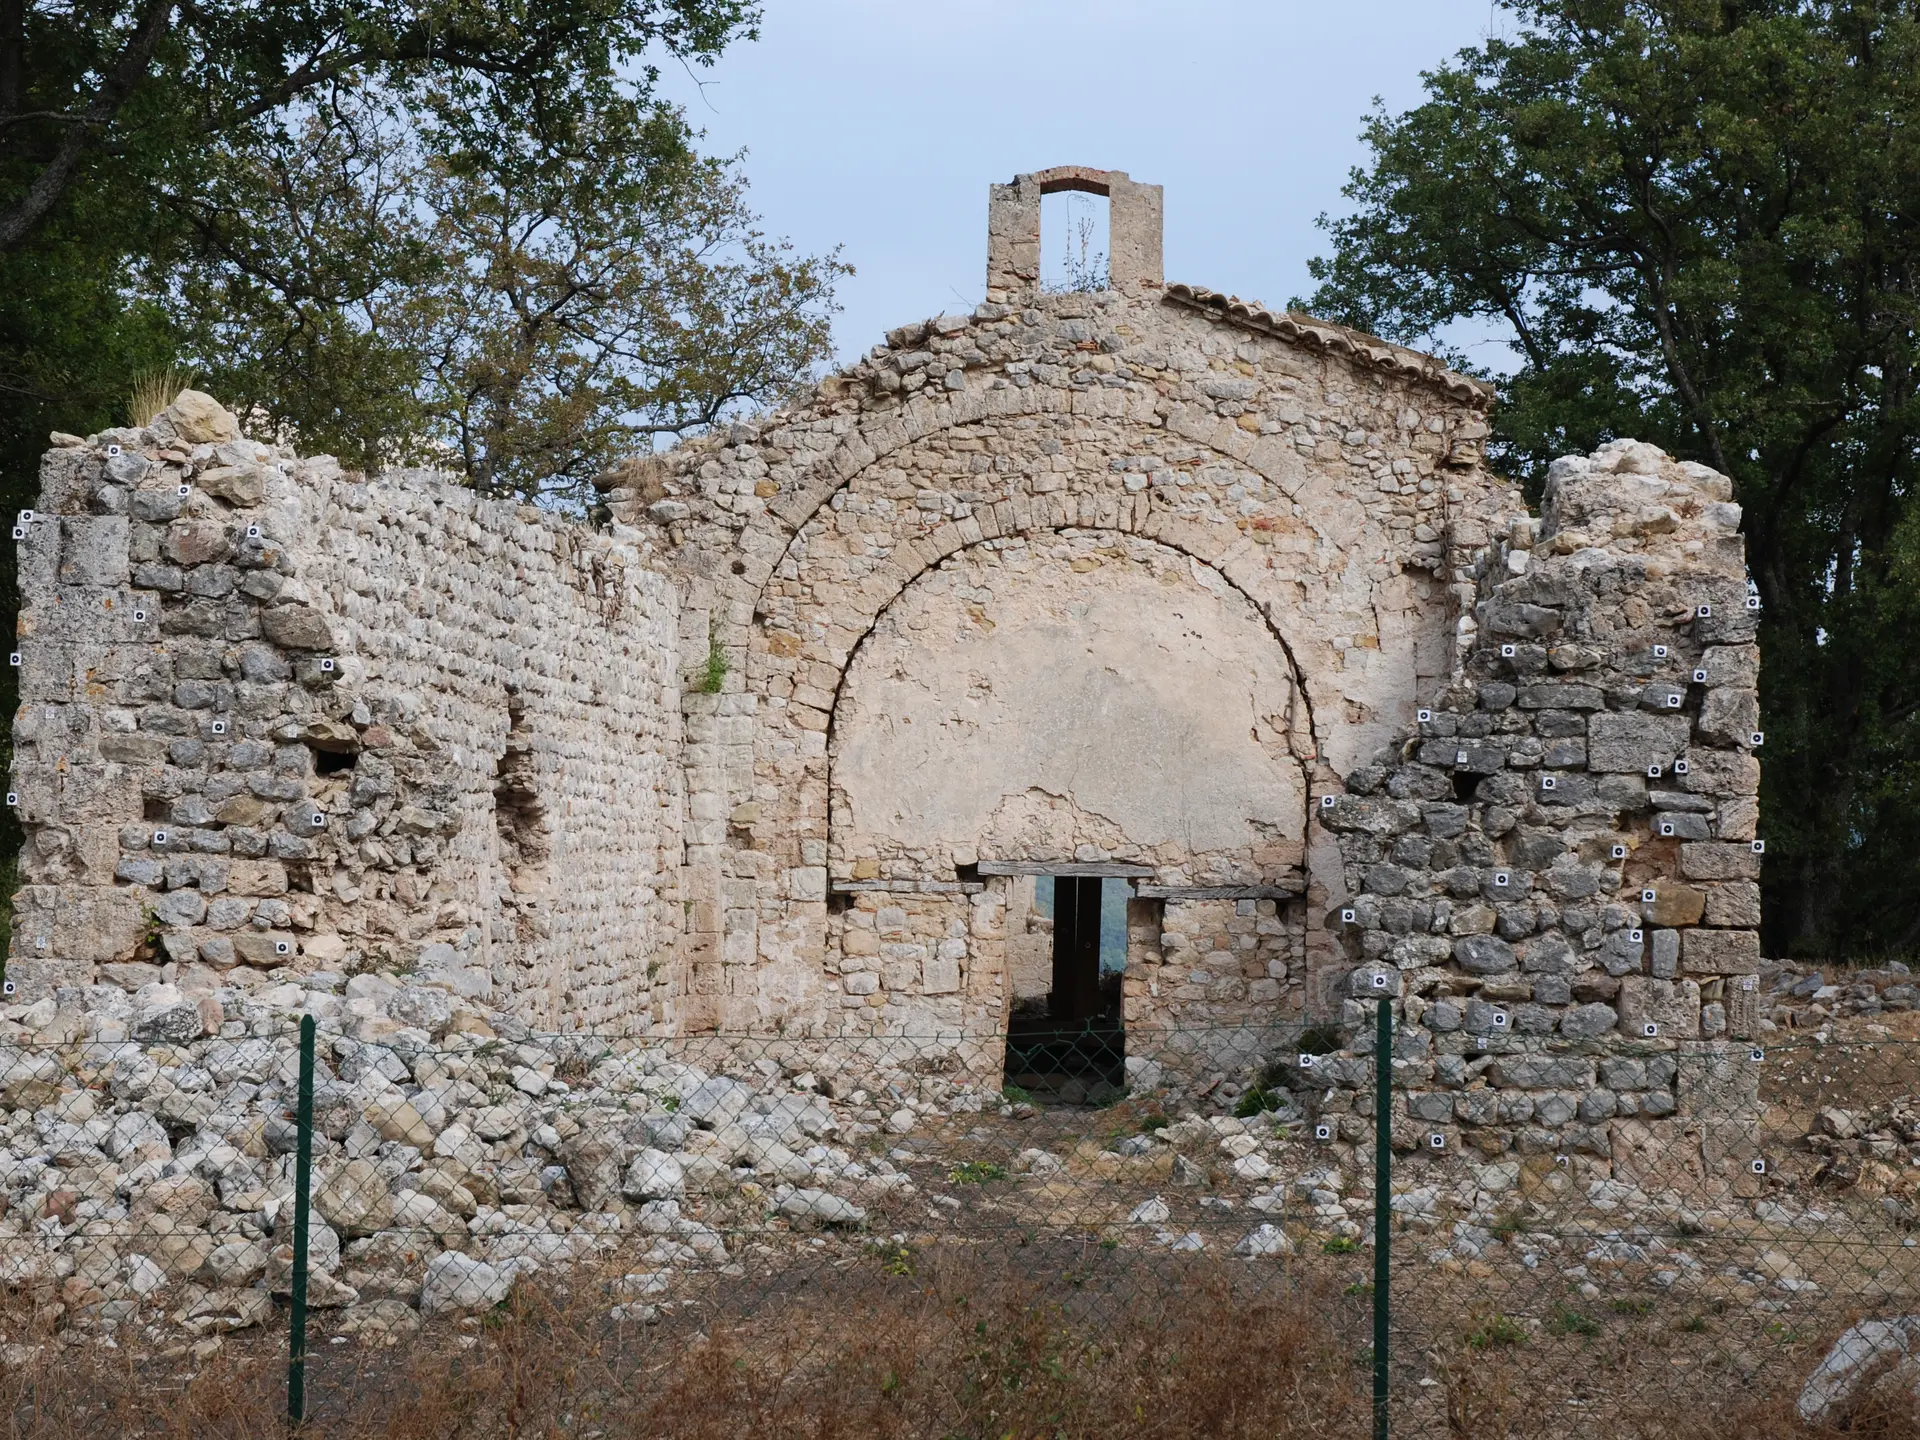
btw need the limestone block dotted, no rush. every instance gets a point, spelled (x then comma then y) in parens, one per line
(1536, 1072)
(199, 419)
(1720, 952)
(93, 550)
(1734, 903)
(1738, 818)
(396, 1118)
(455, 1281)
(29, 1079)
(1681, 825)
(1484, 955)
(1674, 904)
(243, 485)
(940, 974)
(197, 542)
(1630, 743)
(1719, 860)
(1671, 1005)
(1723, 772)
(355, 1200)
(654, 1175)
(1737, 666)
(296, 627)
(1663, 956)
(188, 1199)
(1729, 716)
(1588, 1021)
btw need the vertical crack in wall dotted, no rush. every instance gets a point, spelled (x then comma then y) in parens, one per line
(525, 842)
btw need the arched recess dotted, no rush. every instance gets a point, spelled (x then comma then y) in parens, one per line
(770, 542)
(1061, 696)
(758, 788)
(765, 543)
(1128, 690)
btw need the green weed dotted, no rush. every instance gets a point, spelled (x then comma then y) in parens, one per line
(976, 1172)
(1568, 1321)
(1496, 1332)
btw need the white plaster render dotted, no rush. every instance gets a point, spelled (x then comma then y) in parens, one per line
(1102, 669)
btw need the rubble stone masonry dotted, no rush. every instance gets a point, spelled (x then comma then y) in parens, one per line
(274, 719)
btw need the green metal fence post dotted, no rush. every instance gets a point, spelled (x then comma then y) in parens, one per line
(302, 1183)
(1382, 1205)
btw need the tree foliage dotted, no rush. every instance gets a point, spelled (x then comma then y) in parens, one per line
(117, 118)
(1695, 223)
(523, 315)
(464, 232)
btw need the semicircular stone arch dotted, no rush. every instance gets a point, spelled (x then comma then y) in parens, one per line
(1322, 493)
(1360, 634)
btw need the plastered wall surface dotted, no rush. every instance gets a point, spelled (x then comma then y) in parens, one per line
(1028, 699)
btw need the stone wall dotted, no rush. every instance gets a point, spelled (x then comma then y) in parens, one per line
(1146, 581)
(1558, 863)
(277, 720)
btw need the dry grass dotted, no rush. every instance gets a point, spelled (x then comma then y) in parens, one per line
(1496, 1398)
(973, 1344)
(153, 392)
(961, 1348)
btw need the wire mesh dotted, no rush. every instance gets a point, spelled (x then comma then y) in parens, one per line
(1591, 1238)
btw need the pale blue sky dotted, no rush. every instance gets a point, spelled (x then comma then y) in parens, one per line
(878, 124)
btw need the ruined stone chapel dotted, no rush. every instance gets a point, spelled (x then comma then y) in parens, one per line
(1138, 607)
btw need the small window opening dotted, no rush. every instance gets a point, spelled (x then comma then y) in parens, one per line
(1465, 784)
(1073, 241)
(332, 762)
(1068, 1042)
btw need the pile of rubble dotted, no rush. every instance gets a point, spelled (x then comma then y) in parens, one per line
(1802, 997)
(143, 1161)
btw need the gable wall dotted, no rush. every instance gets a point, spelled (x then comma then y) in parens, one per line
(1331, 494)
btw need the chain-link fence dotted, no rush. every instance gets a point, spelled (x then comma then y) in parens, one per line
(1132, 1233)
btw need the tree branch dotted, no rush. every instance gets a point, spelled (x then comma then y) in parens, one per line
(1683, 381)
(19, 219)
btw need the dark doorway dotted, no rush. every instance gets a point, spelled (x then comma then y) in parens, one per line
(1076, 948)
(1072, 1047)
